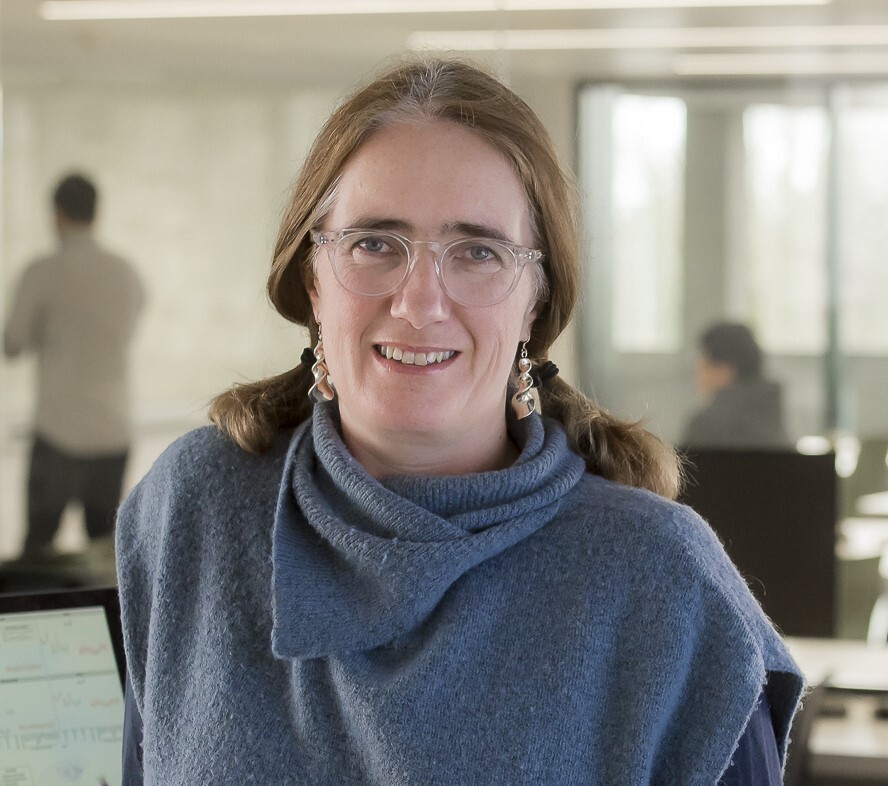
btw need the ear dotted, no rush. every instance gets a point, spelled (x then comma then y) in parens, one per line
(530, 316)
(314, 295)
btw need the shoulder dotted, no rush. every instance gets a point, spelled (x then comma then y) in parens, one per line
(37, 283)
(116, 262)
(206, 459)
(202, 515)
(203, 500)
(202, 476)
(660, 542)
(40, 269)
(665, 567)
(708, 424)
(635, 512)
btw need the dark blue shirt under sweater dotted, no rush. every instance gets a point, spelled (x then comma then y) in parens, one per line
(290, 620)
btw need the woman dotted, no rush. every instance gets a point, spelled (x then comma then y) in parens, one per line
(385, 566)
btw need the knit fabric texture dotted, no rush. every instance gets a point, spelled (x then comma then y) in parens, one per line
(290, 620)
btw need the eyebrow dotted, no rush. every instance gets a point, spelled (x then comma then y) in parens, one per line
(464, 228)
(476, 230)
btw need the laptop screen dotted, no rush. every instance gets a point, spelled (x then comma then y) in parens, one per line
(61, 689)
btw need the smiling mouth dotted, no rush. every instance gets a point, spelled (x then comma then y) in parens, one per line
(413, 358)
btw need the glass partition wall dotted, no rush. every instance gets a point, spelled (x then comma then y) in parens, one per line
(192, 178)
(767, 207)
(753, 205)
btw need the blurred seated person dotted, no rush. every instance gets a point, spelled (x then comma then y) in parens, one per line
(744, 409)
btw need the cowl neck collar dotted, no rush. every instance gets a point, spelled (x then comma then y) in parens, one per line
(359, 562)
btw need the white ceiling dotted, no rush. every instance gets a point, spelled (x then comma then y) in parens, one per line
(338, 48)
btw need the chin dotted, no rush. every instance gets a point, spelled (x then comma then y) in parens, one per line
(426, 422)
(416, 417)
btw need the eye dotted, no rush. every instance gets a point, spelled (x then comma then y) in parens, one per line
(479, 255)
(369, 244)
(372, 248)
(375, 244)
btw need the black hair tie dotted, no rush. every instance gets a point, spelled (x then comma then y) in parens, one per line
(543, 373)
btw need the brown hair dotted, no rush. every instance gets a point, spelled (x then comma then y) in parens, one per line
(445, 88)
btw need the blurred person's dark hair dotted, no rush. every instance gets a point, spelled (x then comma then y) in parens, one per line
(75, 197)
(732, 343)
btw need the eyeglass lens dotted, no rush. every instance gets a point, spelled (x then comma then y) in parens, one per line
(473, 271)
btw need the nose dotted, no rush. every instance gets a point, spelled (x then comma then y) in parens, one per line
(421, 300)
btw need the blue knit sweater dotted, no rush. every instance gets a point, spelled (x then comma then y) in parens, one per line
(290, 620)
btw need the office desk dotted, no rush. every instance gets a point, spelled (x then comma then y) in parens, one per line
(873, 504)
(854, 748)
(861, 537)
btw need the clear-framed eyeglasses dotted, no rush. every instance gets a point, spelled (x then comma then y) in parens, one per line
(473, 271)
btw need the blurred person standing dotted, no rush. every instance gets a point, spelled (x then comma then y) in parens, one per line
(76, 310)
(743, 409)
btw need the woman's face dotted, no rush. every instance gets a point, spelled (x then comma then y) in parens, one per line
(436, 181)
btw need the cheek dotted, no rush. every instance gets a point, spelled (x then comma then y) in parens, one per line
(333, 306)
(700, 379)
(500, 338)
(706, 379)
(344, 323)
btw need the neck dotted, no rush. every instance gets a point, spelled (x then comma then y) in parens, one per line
(386, 455)
(71, 229)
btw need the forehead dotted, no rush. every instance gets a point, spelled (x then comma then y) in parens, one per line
(430, 174)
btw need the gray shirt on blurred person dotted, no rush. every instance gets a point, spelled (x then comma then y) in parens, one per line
(77, 310)
(746, 414)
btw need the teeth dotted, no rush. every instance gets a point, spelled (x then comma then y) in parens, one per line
(413, 358)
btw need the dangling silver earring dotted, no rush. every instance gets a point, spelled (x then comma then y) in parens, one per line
(523, 402)
(322, 390)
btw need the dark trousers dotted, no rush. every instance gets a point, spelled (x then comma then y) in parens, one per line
(56, 478)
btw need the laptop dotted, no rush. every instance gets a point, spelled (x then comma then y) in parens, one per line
(61, 688)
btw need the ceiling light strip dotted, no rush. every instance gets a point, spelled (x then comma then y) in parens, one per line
(781, 64)
(652, 38)
(619, 5)
(68, 10)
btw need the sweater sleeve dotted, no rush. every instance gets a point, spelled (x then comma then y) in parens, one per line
(162, 528)
(164, 498)
(132, 740)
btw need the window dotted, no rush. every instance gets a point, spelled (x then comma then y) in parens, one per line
(757, 204)
(648, 207)
(863, 156)
(785, 231)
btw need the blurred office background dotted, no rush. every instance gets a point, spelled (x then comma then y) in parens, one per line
(732, 156)
(733, 159)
